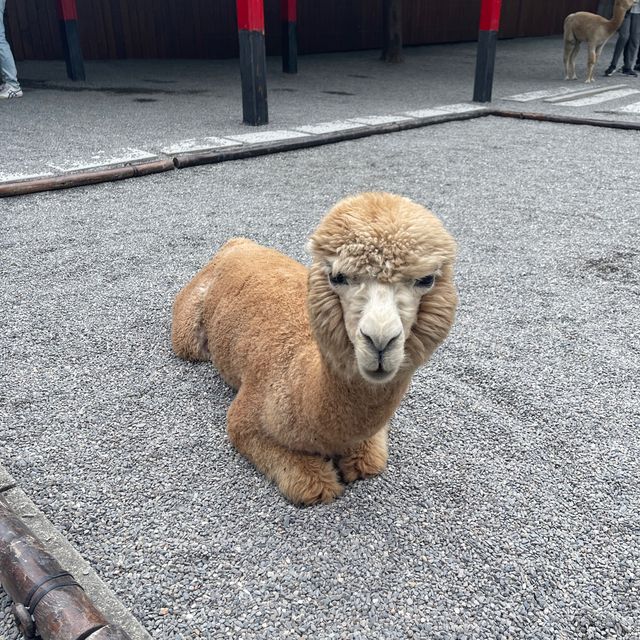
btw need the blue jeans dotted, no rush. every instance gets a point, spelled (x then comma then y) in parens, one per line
(627, 43)
(7, 63)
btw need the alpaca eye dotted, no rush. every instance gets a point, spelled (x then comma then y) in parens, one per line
(426, 282)
(339, 278)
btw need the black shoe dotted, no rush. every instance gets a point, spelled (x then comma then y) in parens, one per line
(610, 71)
(629, 72)
(637, 67)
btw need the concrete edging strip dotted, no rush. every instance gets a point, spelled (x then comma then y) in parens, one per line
(226, 153)
(298, 140)
(64, 552)
(6, 481)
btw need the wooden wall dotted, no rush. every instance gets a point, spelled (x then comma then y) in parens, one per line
(207, 28)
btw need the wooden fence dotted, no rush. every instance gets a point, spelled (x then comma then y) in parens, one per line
(207, 28)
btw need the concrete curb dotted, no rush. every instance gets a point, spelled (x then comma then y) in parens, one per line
(64, 552)
(238, 147)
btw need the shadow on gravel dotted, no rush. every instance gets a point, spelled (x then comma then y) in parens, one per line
(117, 91)
(619, 266)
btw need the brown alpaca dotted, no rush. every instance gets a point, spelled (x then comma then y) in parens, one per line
(321, 357)
(595, 31)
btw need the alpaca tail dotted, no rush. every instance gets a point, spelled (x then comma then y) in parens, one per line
(569, 36)
(188, 335)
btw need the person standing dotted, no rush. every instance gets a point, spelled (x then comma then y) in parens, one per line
(10, 87)
(628, 40)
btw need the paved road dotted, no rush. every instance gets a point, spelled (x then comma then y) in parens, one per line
(510, 507)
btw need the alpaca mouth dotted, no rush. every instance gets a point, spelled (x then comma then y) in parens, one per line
(378, 375)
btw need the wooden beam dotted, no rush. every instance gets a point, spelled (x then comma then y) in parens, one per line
(48, 602)
(68, 17)
(486, 55)
(253, 65)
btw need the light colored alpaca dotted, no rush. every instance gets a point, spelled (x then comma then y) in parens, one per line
(592, 29)
(321, 357)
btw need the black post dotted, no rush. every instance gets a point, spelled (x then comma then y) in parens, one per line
(289, 36)
(253, 65)
(486, 56)
(68, 15)
(392, 31)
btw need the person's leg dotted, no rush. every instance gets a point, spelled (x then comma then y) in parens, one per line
(623, 36)
(605, 9)
(631, 50)
(7, 63)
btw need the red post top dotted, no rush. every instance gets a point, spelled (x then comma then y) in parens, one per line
(490, 15)
(67, 10)
(250, 15)
(288, 10)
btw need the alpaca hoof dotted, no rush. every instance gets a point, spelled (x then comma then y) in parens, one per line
(361, 465)
(314, 484)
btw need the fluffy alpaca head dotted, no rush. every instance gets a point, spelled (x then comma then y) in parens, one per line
(381, 293)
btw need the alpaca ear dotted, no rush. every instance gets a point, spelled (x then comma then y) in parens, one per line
(312, 247)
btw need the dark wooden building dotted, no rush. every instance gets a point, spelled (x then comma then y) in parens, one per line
(208, 28)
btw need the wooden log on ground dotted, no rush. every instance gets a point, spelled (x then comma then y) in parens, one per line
(48, 602)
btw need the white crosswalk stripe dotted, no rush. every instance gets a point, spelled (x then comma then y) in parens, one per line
(582, 93)
(630, 108)
(599, 98)
(560, 94)
(572, 97)
(539, 95)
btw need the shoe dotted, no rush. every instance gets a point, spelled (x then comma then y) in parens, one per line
(629, 72)
(637, 67)
(610, 71)
(9, 92)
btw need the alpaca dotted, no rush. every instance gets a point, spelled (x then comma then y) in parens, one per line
(321, 357)
(595, 31)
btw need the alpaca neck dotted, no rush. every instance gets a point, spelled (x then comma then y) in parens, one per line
(619, 12)
(348, 384)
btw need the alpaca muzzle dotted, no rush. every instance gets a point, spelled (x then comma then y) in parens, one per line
(379, 357)
(379, 340)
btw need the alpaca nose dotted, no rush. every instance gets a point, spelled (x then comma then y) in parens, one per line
(380, 343)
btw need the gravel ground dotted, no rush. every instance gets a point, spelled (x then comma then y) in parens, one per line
(510, 507)
(151, 104)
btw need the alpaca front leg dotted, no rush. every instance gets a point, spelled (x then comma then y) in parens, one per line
(302, 478)
(369, 458)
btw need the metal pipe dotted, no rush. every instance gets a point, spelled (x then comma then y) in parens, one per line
(48, 602)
